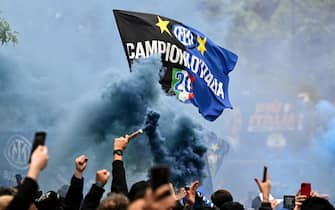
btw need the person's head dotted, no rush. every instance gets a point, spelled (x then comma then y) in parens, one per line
(7, 191)
(138, 190)
(5, 201)
(220, 197)
(47, 201)
(230, 205)
(114, 201)
(316, 203)
(6, 196)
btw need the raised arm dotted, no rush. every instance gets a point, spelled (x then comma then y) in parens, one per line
(28, 189)
(265, 189)
(119, 183)
(74, 195)
(93, 197)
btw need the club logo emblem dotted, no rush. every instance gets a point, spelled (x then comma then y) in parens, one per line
(17, 151)
(184, 35)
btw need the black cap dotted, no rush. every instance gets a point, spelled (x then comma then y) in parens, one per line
(48, 200)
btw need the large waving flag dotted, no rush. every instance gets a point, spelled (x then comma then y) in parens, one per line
(195, 69)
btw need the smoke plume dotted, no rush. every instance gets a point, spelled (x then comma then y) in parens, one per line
(325, 139)
(181, 150)
(124, 106)
(118, 110)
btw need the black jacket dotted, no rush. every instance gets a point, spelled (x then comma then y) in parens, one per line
(25, 195)
(92, 199)
(119, 183)
(74, 195)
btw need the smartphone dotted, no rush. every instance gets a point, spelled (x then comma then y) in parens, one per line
(39, 139)
(159, 175)
(18, 178)
(306, 189)
(265, 173)
(289, 202)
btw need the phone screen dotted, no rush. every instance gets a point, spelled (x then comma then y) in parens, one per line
(39, 139)
(289, 201)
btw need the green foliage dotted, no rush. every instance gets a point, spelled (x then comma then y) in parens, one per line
(6, 33)
(295, 37)
(286, 43)
(306, 25)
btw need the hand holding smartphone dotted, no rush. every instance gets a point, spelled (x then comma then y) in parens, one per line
(39, 139)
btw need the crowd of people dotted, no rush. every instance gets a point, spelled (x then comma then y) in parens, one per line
(141, 196)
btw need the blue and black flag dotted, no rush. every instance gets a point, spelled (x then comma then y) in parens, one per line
(195, 68)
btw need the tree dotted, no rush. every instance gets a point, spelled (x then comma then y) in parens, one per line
(285, 43)
(6, 33)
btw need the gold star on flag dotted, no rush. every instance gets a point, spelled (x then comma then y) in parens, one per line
(202, 44)
(162, 24)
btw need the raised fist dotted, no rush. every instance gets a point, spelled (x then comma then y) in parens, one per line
(102, 176)
(81, 163)
(121, 143)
